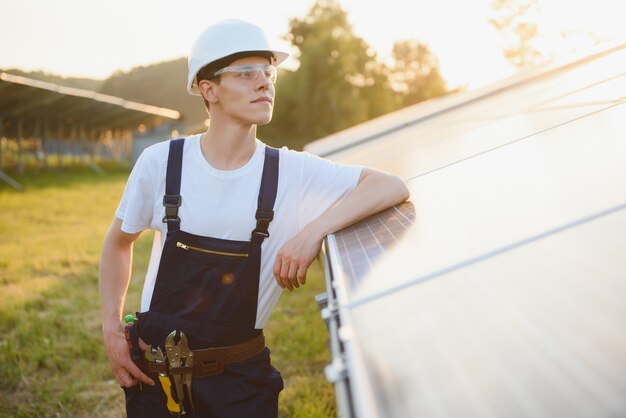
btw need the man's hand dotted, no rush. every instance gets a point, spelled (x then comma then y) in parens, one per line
(126, 372)
(294, 259)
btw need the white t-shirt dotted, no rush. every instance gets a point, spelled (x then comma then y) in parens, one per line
(222, 204)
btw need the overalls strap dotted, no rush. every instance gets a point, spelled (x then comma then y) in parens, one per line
(267, 192)
(267, 196)
(172, 199)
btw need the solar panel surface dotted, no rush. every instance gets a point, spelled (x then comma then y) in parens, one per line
(498, 290)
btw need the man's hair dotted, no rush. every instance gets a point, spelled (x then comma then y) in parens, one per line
(208, 71)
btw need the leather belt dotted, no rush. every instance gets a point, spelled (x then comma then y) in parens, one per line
(208, 361)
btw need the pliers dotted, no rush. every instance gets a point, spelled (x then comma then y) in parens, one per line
(180, 359)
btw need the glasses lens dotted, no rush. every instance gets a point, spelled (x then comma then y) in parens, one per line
(270, 73)
(251, 72)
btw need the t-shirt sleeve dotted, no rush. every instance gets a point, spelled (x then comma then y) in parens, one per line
(136, 207)
(322, 184)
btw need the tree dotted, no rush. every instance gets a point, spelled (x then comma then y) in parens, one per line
(339, 82)
(280, 131)
(415, 73)
(515, 20)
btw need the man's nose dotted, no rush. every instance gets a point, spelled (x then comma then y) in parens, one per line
(263, 81)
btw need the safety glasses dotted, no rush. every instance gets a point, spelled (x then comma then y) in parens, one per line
(250, 72)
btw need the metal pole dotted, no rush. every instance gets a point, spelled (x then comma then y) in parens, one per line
(1, 136)
(20, 153)
(36, 138)
(3, 175)
(44, 137)
(61, 143)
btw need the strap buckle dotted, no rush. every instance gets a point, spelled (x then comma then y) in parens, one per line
(263, 219)
(171, 203)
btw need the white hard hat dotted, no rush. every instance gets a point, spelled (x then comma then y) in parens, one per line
(225, 38)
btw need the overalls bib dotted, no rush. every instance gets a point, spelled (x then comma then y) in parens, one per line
(208, 287)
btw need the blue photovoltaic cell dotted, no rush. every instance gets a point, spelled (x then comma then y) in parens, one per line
(363, 244)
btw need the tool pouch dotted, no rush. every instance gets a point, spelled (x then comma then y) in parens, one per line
(154, 327)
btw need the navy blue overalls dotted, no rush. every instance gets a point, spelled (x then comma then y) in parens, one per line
(208, 288)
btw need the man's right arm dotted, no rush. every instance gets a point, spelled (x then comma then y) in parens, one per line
(115, 270)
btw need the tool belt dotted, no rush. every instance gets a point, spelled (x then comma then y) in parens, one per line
(207, 362)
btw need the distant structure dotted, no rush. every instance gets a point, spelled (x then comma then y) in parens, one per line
(40, 121)
(499, 290)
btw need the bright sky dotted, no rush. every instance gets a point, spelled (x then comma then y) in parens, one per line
(94, 38)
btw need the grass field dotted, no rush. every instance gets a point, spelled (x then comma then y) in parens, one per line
(52, 362)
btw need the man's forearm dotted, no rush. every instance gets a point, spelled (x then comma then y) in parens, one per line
(375, 192)
(115, 270)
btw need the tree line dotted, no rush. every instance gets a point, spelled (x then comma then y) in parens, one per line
(340, 82)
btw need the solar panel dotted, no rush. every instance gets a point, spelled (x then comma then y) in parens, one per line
(515, 334)
(482, 126)
(360, 246)
(498, 290)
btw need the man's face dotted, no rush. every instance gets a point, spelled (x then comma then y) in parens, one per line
(247, 100)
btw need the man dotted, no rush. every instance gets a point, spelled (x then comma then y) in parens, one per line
(236, 222)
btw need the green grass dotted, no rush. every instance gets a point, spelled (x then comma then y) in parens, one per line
(52, 362)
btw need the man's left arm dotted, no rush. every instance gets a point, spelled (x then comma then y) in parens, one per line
(375, 192)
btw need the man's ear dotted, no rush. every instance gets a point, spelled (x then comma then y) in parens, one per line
(208, 90)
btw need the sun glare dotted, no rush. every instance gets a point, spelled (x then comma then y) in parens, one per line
(574, 27)
(469, 49)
